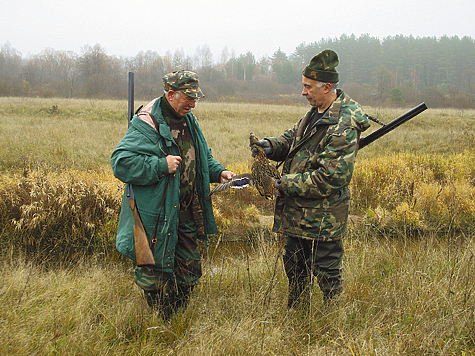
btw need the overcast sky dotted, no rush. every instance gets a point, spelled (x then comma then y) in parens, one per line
(126, 27)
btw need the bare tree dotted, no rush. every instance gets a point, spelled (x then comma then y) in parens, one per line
(10, 70)
(204, 57)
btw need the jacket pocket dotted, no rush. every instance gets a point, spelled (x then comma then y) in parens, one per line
(322, 218)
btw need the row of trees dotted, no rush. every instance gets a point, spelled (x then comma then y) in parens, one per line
(395, 70)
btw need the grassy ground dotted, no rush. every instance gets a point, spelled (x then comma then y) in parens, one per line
(83, 133)
(403, 294)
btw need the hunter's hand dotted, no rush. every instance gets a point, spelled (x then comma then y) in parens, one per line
(265, 144)
(173, 162)
(227, 175)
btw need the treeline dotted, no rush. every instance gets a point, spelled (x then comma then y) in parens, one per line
(397, 70)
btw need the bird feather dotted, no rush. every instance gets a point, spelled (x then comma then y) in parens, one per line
(263, 174)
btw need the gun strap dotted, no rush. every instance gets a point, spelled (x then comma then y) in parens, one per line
(319, 135)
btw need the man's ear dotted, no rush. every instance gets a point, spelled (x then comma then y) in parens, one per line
(327, 88)
(170, 94)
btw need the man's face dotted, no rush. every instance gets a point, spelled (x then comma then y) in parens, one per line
(180, 102)
(314, 94)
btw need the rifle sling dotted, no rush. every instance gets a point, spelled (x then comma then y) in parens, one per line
(319, 135)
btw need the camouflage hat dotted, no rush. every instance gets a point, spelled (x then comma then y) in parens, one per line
(185, 81)
(322, 67)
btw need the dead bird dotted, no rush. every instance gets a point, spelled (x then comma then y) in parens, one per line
(263, 174)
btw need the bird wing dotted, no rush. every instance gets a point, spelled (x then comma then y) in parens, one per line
(238, 181)
(272, 171)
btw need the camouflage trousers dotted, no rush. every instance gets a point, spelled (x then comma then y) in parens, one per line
(304, 259)
(187, 268)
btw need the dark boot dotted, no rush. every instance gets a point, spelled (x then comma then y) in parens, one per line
(294, 294)
(299, 294)
(330, 297)
(175, 299)
(161, 302)
(152, 298)
(182, 297)
(330, 283)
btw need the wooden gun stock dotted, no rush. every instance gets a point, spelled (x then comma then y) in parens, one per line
(143, 253)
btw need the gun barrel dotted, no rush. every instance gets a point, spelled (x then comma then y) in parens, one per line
(143, 253)
(130, 115)
(364, 141)
(131, 97)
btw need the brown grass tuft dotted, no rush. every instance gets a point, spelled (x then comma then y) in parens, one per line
(67, 210)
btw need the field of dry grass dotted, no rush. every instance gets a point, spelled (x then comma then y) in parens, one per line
(409, 262)
(402, 297)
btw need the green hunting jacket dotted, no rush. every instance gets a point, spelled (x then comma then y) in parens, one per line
(139, 160)
(316, 171)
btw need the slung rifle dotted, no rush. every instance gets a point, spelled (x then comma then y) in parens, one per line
(143, 251)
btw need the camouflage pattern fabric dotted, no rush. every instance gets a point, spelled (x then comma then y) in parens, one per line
(187, 255)
(187, 270)
(322, 67)
(185, 81)
(316, 172)
(182, 135)
(150, 280)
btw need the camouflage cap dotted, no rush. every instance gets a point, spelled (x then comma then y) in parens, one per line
(322, 67)
(185, 81)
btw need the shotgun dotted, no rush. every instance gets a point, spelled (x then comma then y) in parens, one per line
(143, 252)
(364, 141)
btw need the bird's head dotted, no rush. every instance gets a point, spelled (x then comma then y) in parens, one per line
(252, 139)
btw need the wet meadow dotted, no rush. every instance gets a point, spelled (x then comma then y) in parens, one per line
(409, 261)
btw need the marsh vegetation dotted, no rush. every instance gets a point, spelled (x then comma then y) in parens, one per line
(409, 262)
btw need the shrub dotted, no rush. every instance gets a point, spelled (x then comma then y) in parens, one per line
(65, 210)
(420, 192)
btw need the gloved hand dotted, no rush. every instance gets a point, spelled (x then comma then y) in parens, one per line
(265, 144)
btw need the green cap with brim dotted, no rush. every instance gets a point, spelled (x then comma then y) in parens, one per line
(322, 67)
(185, 81)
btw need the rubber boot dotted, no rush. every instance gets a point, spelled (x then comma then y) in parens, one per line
(331, 297)
(182, 297)
(175, 299)
(160, 301)
(152, 298)
(299, 294)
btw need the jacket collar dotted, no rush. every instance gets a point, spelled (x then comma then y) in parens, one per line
(330, 117)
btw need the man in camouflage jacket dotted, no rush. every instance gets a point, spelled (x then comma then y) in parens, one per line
(318, 156)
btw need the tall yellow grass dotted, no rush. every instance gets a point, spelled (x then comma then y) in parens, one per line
(402, 296)
(57, 184)
(417, 191)
(66, 210)
(402, 192)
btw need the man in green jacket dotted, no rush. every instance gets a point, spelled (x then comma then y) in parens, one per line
(318, 157)
(165, 160)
